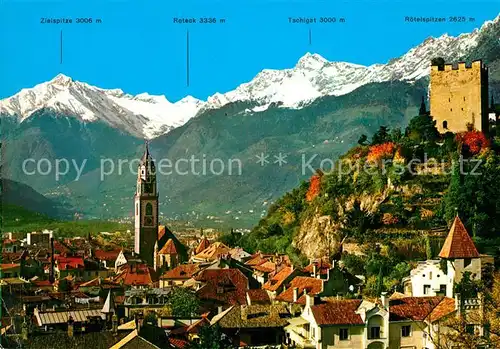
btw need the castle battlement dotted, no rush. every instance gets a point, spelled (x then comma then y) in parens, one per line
(460, 66)
(459, 96)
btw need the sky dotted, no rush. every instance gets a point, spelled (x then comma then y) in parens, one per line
(138, 48)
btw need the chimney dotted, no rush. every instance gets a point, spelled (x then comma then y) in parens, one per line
(458, 305)
(138, 322)
(244, 314)
(385, 300)
(219, 309)
(315, 270)
(309, 300)
(51, 272)
(70, 326)
(114, 321)
(295, 294)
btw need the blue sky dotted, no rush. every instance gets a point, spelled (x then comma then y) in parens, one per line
(138, 48)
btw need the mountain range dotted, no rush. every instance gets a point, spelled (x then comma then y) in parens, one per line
(317, 107)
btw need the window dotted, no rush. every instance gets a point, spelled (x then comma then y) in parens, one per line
(427, 289)
(374, 332)
(442, 289)
(467, 262)
(469, 329)
(406, 331)
(445, 124)
(430, 275)
(344, 334)
(149, 209)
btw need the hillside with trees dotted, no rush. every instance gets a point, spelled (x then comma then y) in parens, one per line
(388, 202)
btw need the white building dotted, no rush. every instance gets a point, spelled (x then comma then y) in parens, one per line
(458, 255)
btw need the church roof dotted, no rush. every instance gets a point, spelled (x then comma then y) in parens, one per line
(458, 243)
(109, 304)
(169, 248)
(204, 243)
(146, 156)
(213, 251)
(164, 234)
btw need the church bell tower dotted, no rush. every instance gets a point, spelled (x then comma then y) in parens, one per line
(146, 209)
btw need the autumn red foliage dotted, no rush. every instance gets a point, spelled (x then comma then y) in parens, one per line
(314, 187)
(474, 141)
(389, 219)
(381, 151)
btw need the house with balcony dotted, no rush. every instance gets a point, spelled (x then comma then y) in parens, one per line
(386, 323)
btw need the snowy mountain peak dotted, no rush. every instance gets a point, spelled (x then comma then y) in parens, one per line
(142, 115)
(61, 79)
(311, 61)
(312, 77)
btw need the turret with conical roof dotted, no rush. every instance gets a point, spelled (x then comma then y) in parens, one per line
(460, 254)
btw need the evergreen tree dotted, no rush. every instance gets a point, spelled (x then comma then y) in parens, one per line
(363, 140)
(380, 282)
(422, 128)
(423, 108)
(381, 136)
(428, 248)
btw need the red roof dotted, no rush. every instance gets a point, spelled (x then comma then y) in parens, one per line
(322, 267)
(41, 283)
(178, 343)
(182, 271)
(266, 267)
(313, 286)
(337, 312)
(137, 275)
(257, 259)
(275, 282)
(169, 248)
(106, 255)
(444, 308)
(458, 243)
(258, 296)
(9, 266)
(64, 263)
(227, 286)
(412, 308)
(203, 245)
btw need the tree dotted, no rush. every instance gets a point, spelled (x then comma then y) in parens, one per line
(363, 140)
(472, 142)
(428, 248)
(422, 128)
(439, 61)
(381, 136)
(211, 337)
(183, 302)
(314, 187)
(468, 287)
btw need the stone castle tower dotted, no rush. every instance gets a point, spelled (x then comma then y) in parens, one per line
(146, 209)
(459, 97)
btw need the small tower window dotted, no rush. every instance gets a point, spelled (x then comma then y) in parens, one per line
(137, 208)
(445, 125)
(149, 209)
(451, 109)
(449, 99)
